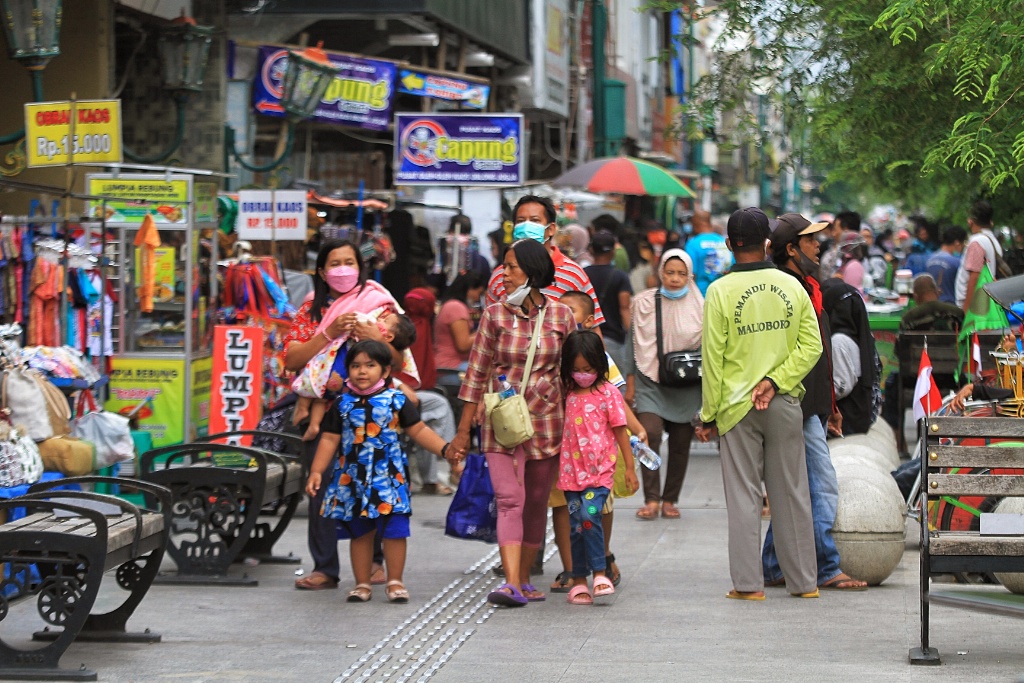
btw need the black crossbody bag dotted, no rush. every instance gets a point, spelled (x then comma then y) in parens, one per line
(675, 368)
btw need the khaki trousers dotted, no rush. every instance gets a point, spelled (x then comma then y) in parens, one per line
(768, 445)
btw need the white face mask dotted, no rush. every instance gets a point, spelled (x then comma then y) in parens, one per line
(517, 297)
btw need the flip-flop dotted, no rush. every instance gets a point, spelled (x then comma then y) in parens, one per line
(580, 595)
(812, 594)
(647, 514)
(378, 577)
(562, 583)
(756, 596)
(843, 582)
(603, 587)
(511, 599)
(669, 512)
(530, 588)
(614, 573)
(316, 581)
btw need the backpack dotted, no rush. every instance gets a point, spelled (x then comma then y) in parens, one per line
(1003, 269)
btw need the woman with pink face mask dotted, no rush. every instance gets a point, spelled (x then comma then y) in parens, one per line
(340, 292)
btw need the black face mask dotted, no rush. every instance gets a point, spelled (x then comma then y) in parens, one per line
(808, 267)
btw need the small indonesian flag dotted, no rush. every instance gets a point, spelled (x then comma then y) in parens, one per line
(927, 398)
(975, 357)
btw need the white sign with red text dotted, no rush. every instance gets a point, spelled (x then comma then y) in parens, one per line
(271, 215)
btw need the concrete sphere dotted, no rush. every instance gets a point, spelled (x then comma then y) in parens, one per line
(885, 450)
(848, 467)
(859, 452)
(870, 528)
(1014, 581)
(881, 430)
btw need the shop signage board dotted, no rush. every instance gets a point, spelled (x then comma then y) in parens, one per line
(54, 138)
(271, 215)
(200, 385)
(470, 94)
(157, 383)
(459, 149)
(206, 202)
(550, 31)
(237, 380)
(361, 95)
(134, 197)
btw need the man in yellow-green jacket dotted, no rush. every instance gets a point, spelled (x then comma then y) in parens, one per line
(760, 340)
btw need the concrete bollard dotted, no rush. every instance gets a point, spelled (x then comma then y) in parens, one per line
(868, 455)
(886, 451)
(870, 528)
(881, 430)
(1014, 581)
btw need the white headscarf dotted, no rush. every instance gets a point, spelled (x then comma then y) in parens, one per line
(681, 320)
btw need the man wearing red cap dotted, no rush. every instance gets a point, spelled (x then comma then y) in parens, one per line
(760, 339)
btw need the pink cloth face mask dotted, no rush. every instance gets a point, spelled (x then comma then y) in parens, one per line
(584, 379)
(342, 278)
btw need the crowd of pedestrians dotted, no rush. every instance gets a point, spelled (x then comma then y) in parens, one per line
(600, 344)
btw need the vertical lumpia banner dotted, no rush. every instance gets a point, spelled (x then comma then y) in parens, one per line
(361, 95)
(236, 390)
(459, 149)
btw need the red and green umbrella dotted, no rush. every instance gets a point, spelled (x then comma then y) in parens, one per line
(624, 175)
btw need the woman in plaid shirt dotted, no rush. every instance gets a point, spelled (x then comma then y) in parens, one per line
(522, 476)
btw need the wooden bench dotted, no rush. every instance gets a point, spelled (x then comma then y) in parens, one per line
(945, 358)
(944, 552)
(219, 491)
(70, 543)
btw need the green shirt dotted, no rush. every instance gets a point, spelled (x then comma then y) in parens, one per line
(758, 322)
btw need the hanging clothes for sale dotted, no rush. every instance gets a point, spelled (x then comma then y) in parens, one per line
(45, 285)
(147, 239)
(254, 287)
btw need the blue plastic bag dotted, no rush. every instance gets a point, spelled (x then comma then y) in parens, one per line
(473, 514)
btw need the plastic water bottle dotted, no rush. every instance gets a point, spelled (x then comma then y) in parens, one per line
(507, 390)
(642, 452)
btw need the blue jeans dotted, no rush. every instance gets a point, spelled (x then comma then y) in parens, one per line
(821, 479)
(586, 534)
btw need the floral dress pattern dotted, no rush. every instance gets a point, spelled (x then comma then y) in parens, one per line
(370, 476)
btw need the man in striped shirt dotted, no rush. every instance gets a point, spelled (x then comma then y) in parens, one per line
(535, 219)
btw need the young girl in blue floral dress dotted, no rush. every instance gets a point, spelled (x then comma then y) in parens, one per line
(368, 490)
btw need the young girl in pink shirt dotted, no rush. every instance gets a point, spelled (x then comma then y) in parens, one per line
(595, 431)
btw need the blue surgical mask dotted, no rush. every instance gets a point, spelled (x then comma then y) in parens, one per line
(529, 230)
(674, 293)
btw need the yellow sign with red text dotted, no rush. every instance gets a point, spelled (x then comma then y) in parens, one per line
(54, 137)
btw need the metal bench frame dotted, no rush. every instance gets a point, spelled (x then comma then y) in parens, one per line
(977, 553)
(72, 567)
(216, 508)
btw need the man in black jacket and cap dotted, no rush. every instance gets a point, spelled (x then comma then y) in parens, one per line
(794, 249)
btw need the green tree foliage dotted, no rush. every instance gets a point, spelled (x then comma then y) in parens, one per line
(914, 101)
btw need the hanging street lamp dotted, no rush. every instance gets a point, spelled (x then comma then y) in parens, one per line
(307, 75)
(184, 50)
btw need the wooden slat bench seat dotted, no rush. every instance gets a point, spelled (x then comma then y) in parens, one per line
(58, 552)
(217, 506)
(951, 470)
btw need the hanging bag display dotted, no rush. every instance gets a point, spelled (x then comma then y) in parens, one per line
(473, 514)
(675, 368)
(510, 417)
(20, 463)
(108, 432)
(35, 403)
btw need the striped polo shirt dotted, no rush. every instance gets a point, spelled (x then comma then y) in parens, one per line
(569, 277)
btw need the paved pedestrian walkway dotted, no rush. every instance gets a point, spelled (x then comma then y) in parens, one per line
(669, 620)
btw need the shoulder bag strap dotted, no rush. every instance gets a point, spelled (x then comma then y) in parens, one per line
(657, 322)
(533, 348)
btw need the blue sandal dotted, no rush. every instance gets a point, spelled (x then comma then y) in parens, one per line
(513, 598)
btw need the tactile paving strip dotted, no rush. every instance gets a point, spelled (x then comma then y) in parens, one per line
(418, 647)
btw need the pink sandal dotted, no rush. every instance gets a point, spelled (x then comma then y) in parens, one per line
(603, 587)
(580, 595)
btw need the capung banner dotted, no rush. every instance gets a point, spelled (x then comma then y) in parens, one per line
(459, 149)
(361, 95)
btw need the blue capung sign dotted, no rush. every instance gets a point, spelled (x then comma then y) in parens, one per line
(459, 149)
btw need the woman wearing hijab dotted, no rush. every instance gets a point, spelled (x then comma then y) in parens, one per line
(579, 240)
(661, 408)
(855, 364)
